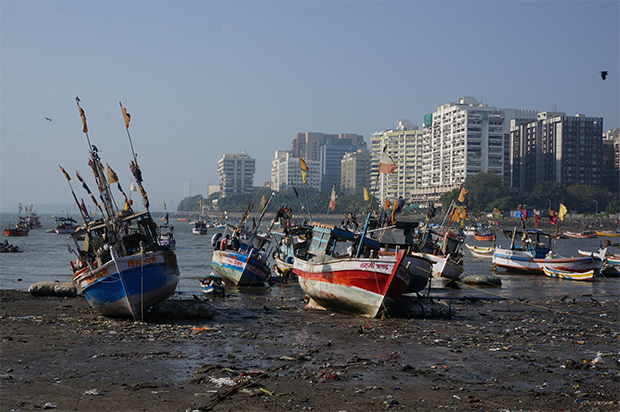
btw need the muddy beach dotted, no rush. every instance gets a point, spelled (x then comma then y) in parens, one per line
(492, 355)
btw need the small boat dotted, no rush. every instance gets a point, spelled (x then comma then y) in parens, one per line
(533, 254)
(182, 219)
(33, 221)
(579, 235)
(65, 225)
(200, 227)
(610, 234)
(212, 285)
(22, 228)
(445, 251)
(610, 257)
(563, 274)
(165, 237)
(365, 283)
(481, 252)
(483, 233)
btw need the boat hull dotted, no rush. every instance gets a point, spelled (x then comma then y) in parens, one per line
(16, 232)
(488, 238)
(239, 269)
(444, 267)
(609, 234)
(523, 261)
(360, 286)
(128, 286)
(584, 276)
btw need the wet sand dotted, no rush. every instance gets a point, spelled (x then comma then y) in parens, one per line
(493, 355)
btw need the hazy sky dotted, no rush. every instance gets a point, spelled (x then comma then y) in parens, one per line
(203, 78)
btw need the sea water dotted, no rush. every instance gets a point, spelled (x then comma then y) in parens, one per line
(46, 256)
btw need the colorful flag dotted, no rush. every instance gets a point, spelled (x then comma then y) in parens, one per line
(263, 203)
(112, 177)
(65, 173)
(304, 170)
(386, 164)
(333, 198)
(498, 214)
(563, 211)
(366, 195)
(126, 116)
(132, 187)
(165, 206)
(83, 116)
(462, 194)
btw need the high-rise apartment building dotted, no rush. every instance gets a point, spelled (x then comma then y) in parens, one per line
(611, 160)
(328, 150)
(404, 144)
(286, 172)
(557, 148)
(355, 172)
(236, 172)
(463, 139)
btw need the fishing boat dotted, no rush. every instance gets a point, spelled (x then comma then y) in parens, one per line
(33, 220)
(483, 233)
(445, 251)
(363, 282)
(532, 254)
(200, 227)
(610, 257)
(481, 252)
(22, 228)
(579, 235)
(182, 219)
(65, 225)
(212, 285)
(121, 269)
(243, 264)
(563, 274)
(165, 237)
(607, 233)
(241, 257)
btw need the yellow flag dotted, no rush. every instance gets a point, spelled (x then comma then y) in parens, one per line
(83, 116)
(366, 195)
(563, 211)
(462, 194)
(126, 116)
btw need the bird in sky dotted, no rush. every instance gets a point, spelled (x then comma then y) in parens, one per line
(47, 118)
(604, 74)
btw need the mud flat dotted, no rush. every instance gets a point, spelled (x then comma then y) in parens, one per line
(263, 352)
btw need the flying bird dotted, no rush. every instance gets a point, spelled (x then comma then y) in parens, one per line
(47, 118)
(604, 74)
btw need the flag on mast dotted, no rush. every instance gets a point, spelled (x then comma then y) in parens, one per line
(304, 170)
(562, 212)
(83, 116)
(386, 163)
(366, 195)
(126, 116)
(112, 177)
(333, 198)
(65, 173)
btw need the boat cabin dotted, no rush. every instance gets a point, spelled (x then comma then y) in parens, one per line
(532, 241)
(327, 238)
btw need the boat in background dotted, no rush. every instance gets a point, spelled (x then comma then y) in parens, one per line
(483, 233)
(212, 285)
(200, 227)
(532, 254)
(609, 234)
(563, 274)
(22, 228)
(165, 237)
(481, 252)
(579, 235)
(182, 219)
(65, 225)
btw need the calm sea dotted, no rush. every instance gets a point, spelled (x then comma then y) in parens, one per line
(45, 257)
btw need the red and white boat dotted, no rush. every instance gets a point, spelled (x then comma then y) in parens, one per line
(362, 283)
(17, 230)
(66, 225)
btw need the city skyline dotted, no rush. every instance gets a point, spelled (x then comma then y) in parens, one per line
(201, 79)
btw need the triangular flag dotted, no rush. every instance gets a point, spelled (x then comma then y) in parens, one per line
(65, 173)
(83, 116)
(112, 177)
(126, 116)
(132, 187)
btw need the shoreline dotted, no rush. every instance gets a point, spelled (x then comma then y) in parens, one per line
(493, 355)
